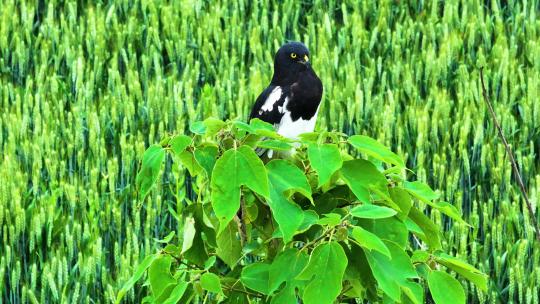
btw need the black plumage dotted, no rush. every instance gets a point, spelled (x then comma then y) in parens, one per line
(291, 101)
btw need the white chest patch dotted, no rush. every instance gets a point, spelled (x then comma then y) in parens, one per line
(274, 96)
(291, 129)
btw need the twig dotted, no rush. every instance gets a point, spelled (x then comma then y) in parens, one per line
(344, 292)
(322, 236)
(511, 156)
(180, 261)
(422, 246)
(238, 218)
(348, 203)
(230, 288)
(242, 226)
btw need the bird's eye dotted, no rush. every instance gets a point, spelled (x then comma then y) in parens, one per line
(293, 55)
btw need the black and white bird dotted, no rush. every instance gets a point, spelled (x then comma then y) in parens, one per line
(291, 101)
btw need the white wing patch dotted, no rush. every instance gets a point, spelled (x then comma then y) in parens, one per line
(274, 96)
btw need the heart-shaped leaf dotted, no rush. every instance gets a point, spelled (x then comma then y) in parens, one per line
(445, 289)
(256, 276)
(325, 271)
(325, 159)
(285, 179)
(151, 165)
(235, 168)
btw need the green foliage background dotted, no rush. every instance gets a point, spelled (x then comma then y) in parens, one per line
(86, 86)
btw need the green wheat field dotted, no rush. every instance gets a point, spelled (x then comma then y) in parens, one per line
(86, 86)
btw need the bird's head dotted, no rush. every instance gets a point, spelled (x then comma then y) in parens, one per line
(290, 59)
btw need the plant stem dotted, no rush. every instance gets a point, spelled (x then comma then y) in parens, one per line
(243, 232)
(511, 156)
(354, 241)
(231, 288)
(322, 236)
(180, 261)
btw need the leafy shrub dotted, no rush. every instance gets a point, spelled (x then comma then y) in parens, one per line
(318, 224)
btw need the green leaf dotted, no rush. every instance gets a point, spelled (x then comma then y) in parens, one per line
(285, 179)
(391, 229)
(421, 191)
(354, 288)
(235, 168)
(229, 247)
(166, 239)
(414, 292)
(285, 296)
(251, 213)
(240, 125)
(420, 256)
(414, 228)
(210, 282)
(264, 129)
(251, 140)
(212, 126)
(188, 160)
(445, 289)
(285, 267)
(161, 280)
(258, 124)
(197, 127)
(151, 165)
(361, 175)
(450, 211)
(375, 149)
(325, 271)
(431, 231)
(330, 219)
(274, 144)
(177, 293)
(203, 223)
(197, 252)
(256, 276)
(189, 233)
(325, 159)
(206, 157)
(210, 262)
(139, 271)
(369, 240)
(468, 271)
(402, 199)
(372, 211)
(309, 136)
(358, 269)
(310, 218)
(391, 273)
(179, 143)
